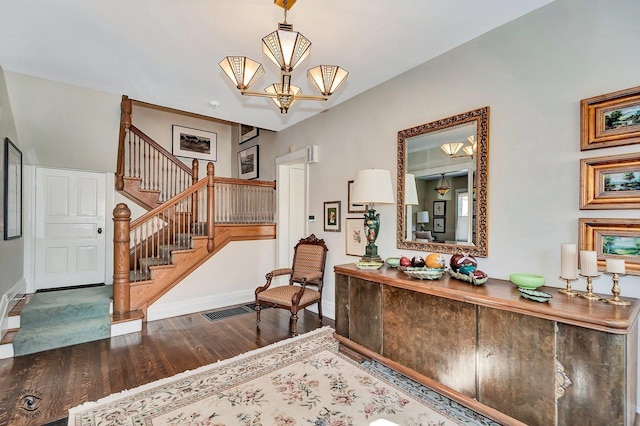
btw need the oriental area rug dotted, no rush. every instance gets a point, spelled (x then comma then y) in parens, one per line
(298, 381)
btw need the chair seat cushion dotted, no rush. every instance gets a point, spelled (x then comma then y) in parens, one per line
(282, 295)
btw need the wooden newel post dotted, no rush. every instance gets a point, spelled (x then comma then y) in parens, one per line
(125, 124)
(194, 198)
(121, 265)
(210, 207)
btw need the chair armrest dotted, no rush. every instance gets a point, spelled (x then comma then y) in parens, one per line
(270, 275)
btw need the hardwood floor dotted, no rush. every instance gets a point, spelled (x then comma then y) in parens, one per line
(63, 378)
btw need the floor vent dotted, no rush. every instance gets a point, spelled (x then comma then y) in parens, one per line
(230, 312)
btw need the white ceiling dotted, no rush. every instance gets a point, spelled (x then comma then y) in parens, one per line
(166, 52)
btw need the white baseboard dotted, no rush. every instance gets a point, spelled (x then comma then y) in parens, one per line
(174, 309)
(185, 307)
(6, 351)
(127, 327)
(18, 288)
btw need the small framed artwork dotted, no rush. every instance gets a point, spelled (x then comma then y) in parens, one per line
(611, 182)
(12, 191)
(612, 119)
(612, 238)
(193, 143)
(353, 207)
(248, 163)
(438, 224)
(356, 240)
(247, 133)
(439, 208)
(332, 216)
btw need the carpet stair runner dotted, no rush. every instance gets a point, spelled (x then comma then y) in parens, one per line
(62, 318)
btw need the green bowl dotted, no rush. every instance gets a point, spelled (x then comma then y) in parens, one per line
(527, 280)
(394, 262)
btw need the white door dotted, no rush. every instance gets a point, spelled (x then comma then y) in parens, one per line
(70, 223)
(297, 201)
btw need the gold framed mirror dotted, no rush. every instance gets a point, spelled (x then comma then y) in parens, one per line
(449, 161)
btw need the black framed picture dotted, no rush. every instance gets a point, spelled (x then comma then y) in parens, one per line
(438, 224)
(247, 133)
(439, 208)
(248, 163)
(12, 191)
(194, 143)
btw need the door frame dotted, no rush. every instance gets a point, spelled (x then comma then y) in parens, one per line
(29, 224)
(284, 163)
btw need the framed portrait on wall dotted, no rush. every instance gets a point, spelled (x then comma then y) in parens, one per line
(332, 216)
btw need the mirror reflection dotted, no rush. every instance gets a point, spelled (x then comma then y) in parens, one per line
(447, 160)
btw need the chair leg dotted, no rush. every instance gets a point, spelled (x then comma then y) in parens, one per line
(320, 311)
(258, 309)
(293, 328)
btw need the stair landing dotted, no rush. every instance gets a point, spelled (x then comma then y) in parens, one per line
(130, 322)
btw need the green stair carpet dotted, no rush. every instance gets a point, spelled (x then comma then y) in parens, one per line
(62, 318)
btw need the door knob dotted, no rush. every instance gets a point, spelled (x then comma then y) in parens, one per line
(99, 230)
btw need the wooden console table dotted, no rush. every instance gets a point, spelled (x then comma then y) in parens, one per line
(565, 362)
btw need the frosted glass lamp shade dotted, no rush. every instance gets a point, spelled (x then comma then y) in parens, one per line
(372, 186)
(242, 71)
(422, 217)
(451, 148)
(410, 191)
(327, 78)
(286, 49)
(283, 100)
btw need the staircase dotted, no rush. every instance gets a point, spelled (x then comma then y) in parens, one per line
(188, 220)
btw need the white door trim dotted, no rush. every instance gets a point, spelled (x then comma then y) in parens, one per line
(282, 164)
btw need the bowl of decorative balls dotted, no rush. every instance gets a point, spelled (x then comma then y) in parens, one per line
(417, 268)
(464, 267)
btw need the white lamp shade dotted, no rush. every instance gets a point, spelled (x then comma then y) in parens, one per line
(410, 191)
(242, 71)
(422, 217)
(327, 78)
(372, 186)
(286, 49)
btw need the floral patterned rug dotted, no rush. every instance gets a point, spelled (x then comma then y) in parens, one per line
(298, 381)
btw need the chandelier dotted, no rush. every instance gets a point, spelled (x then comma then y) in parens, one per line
(452, 149)
(287, 49)
(442, 186)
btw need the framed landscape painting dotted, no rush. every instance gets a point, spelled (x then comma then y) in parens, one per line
(193, 143)
(612, 238)
(611, 119)
(611, 182)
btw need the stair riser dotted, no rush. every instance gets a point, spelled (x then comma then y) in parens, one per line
(75, 312)
(50, 337)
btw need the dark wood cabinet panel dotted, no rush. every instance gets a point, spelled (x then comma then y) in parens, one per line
(365, 318)
(342, 305)
(598, 364)
(516, 369)
(431, 335)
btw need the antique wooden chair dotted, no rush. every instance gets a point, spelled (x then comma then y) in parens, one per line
(308, 270)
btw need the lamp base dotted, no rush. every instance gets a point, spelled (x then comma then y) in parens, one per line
(375, 258)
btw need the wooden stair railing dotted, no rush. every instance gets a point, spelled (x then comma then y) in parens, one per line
(197, 223)
(146, 172)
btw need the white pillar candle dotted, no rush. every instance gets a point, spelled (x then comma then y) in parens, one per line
(615, 266)
(568, 261)
(588, 263)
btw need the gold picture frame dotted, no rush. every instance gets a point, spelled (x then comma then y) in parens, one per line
(612, 119)
(612, 238)
(611, 182)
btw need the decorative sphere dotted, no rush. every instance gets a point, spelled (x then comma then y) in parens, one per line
(459, 259)
(435, 260)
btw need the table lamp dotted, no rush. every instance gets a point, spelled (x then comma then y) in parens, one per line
(372, 186)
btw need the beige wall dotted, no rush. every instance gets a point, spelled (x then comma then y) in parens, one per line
(158, 125)
(532, 73)
(11, 251)
(65, 126)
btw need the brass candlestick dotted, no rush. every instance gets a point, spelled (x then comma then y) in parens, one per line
(568, 291)
(615, 300)
(590, 295)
